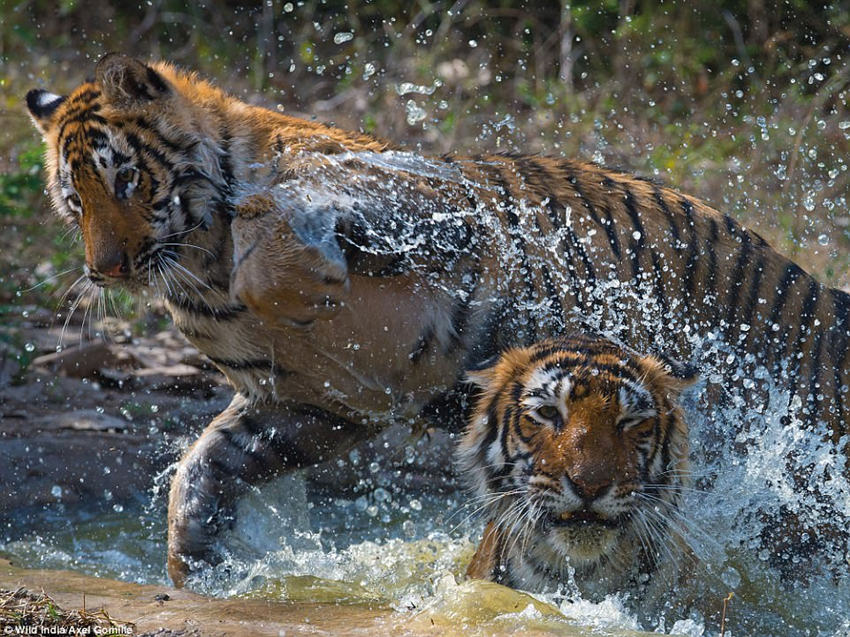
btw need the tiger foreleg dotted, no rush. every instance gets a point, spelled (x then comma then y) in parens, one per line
(242, 447)
(287, 267)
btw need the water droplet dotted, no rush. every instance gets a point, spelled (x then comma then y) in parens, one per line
(381, 495)
(288, 7)
(415, 113)
(473, 43)
(409, 528)
(118, 508)
(374, 467)
(415, 504)
(823, 239)
(56, 491)
(636, 235)
(342, 37)
(29, 347)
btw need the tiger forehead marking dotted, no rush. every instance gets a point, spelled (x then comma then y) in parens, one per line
(573, 442)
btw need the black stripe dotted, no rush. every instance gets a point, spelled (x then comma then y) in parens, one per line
(636, 245)
(589, 349)
(262, 364)
(140, 146)
(220, 313)
(753, 293)
(515, 232)
(555, 301)
(662, 444)
(260, 460)
(224, 159)
(607, 225)
(83, 117)
(815, 375)
(85, 96)
(838, 355)
(148, 127)
(710, 282)
(807, 317)
(693, 250)
(462, 308)
(610, 230)
(789, 277)
(490, 437)
(553, 294)
(742, 264)
(573, 242)
(671, 221)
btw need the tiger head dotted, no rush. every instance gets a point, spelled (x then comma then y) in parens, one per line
(578, 453)
(123, 157)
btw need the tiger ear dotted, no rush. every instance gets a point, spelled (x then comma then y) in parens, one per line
(672, 375)
(127, 82)
(42, 105)
(481, 378)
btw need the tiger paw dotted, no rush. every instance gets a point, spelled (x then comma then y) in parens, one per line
(287, 269)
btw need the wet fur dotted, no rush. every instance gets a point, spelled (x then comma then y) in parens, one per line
(618, 450)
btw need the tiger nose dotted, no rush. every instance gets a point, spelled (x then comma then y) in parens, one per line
(589, 487)
(116, 265)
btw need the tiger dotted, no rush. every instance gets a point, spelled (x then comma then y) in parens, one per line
(578, 452)
(342, 283)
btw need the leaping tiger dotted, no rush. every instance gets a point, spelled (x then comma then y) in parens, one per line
(341, 283)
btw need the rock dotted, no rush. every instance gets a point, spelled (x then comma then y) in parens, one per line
(82, 361)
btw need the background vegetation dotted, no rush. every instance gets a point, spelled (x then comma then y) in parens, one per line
(741, 102)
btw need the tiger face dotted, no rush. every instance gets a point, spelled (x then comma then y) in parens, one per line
(579, 453)
(122, 153)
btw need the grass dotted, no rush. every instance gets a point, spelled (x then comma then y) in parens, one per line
(24, 609)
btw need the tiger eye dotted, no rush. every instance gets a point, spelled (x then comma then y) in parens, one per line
(548, 412)
(126, 174)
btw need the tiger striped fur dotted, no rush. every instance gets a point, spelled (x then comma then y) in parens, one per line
(578, 453)
(341, 284)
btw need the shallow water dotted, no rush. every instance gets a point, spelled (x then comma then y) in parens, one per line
(406, 551)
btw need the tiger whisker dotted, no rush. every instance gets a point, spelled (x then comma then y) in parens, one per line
(183, 232)
(87, 284)
(49, 279)
(493, 498)
(188, 245)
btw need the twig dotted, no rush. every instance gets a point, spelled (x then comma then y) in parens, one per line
(726, 601)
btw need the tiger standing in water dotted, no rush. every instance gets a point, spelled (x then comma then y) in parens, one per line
(342, 284)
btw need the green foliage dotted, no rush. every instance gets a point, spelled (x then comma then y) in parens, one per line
(20, 188)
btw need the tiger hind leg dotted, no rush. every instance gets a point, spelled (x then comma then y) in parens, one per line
(242, 447)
